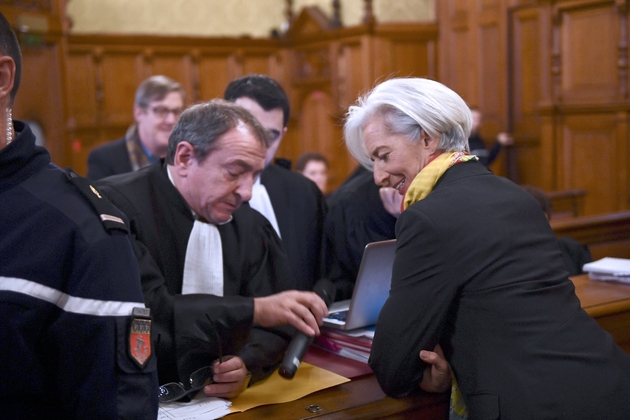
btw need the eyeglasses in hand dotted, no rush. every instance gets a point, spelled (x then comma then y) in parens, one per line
(174, 391)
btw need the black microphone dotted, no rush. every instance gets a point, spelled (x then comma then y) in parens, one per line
(326, 290)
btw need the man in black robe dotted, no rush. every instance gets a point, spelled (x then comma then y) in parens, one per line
(212, 270)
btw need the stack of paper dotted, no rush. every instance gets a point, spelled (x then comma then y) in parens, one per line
(609, 269)
(273, 390)
(201, 407)
(353, 344)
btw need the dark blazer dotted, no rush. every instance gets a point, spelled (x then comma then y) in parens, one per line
(478, 270)
(109, 159)
(300, 209)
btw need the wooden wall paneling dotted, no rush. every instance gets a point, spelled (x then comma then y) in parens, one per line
(350, 81)
(118, 74)
(529, 81)
(588, 57)
(214, 76)
(491, 82)
(409, 59)
(81, 93)
(40, 29)
(365, 71)
(256, 64)
(178, 65)
(622, 159)
(587, 159)
(319, 131)
(82, 139)
(40, 96)
(622, 50)
(355, 79)
(409, 51)
(463, 56)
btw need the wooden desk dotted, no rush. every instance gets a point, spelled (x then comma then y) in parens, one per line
(609, 304)
(360, 398)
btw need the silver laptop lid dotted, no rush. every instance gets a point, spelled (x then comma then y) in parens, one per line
(372, 285)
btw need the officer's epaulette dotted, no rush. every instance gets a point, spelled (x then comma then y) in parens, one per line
(109, 214)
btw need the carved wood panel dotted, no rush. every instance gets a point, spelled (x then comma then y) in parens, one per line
(588, 52)
(213, 76)
(587, 157)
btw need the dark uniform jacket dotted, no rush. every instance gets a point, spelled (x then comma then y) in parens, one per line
(478, 270)
(67, 290)
(254, 264)
(109, 159)
(300, 209)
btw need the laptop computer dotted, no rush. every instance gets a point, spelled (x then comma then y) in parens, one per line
(371, 289)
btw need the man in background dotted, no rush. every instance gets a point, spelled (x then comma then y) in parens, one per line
(158, 103)
(293, 204)
(574, 254)
(76, 336)
(478, 145)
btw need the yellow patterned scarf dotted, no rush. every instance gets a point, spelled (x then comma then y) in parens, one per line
(424, 182)
(420, 187)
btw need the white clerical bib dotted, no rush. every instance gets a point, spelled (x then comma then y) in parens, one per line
(203, 267)
(260, 201)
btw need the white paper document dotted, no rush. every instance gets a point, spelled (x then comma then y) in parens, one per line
(609, 269)
(201, 407)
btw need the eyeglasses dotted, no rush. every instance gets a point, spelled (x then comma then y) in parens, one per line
(174, 391)
(162, 111)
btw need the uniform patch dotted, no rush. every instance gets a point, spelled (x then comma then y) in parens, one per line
(140, 348)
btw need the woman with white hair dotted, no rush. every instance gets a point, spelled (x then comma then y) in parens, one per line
(478, 274)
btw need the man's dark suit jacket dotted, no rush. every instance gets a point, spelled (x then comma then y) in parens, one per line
(109, 159)
(300, 209)
(479, 271)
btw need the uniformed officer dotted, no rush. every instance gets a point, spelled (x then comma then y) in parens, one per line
(76, 336)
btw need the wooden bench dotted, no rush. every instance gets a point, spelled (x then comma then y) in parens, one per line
(566, 203)
(606, 235)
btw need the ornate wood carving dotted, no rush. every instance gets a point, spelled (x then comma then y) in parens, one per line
(368, 13)
(335, 22)
(312, 65)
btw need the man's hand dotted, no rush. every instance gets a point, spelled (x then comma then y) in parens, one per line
(230, 378)
(505, 139)
(437, 375)
(303, 310)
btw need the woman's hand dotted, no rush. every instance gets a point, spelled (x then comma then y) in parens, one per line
(437, 375)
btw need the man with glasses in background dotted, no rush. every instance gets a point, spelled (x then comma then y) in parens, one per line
(158, 103)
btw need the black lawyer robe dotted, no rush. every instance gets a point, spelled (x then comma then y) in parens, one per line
(300, 209)
(254, 265)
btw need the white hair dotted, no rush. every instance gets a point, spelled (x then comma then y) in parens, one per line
(409, 105)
